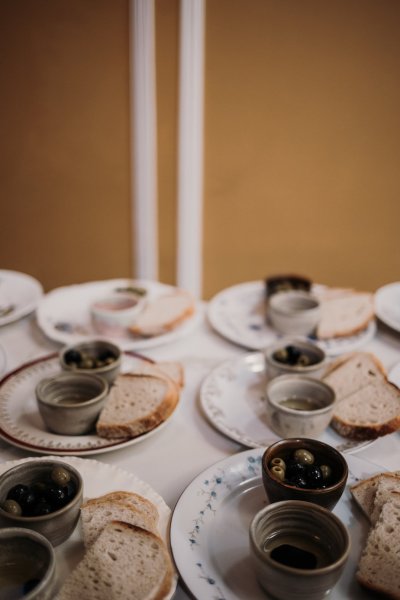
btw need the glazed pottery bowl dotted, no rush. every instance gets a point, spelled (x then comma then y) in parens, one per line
(299, 406)
(298, 550)
(70, 403)
(294, 356)
(114, 314)
(325, 491)
(44, 509)
(294, 313)
(27, 565)
(96, 357)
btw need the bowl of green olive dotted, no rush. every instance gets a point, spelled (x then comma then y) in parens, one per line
(42, 495)
(294, 355)
(304, 469)
(98, 357)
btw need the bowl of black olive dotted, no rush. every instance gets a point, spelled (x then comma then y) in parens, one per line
(42, 495)
(294, 355)
(304, 469)
(98, 357)
(27, 565)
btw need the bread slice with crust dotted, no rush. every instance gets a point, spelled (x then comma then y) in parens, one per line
(379, 565)
(351, 372)
(126, 562)
(164, 314)
(386, 486)
(363, 492)
(345, 315)
(136, 404)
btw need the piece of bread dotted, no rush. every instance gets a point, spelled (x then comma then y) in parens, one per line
(386, 486)
(379, 565)
(164, 314)
(125, 563)
(171, 369)
(136, 404)
(363, 492)
(351, 372)
(345, 315)
(370, 412)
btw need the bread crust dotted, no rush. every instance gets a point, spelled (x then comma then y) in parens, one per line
(171, 324)
(365, 432)
(349, 331)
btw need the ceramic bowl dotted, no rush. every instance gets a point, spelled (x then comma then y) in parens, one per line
(285, 283)
(294, 313)
(113, 314)
(57, 525)
(70, 403)
(298, 550)
(293, 355)
(27, 565)
(278, 489)
(299, 406)
(97, 357)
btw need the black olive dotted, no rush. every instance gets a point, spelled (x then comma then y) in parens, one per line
(29, 586)
(72, 356)
(314, 476)
(18, 493)
(294, 469)
(293, 354)
(41, 508)
(106, 356)
(69, 490)
(299, 481)
(29, 502)
(55, 496)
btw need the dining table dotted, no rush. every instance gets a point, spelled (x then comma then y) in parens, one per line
(175, 455)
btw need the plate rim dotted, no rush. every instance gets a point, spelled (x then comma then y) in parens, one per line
(31, 306)
(380, 292)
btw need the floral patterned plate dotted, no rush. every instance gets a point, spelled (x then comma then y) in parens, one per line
(232, 398)
(238, 314)
(210, 529)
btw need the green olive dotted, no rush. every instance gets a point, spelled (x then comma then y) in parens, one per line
(60, 476)
(326, 471)
(304, 457)
(278, 472)
(12, 507)
(277, 462)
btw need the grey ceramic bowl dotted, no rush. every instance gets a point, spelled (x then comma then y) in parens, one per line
(92, 353)
(70, 403)
(280, 533)
(310, 359)
(27, 565)
(294, 312)
(299, 406)
(277, 489)
(56, 526)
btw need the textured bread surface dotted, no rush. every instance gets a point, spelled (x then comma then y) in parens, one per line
(363, 492)
(140, 502)
(345, 315)
(164, 314)
(136, 404)
(384, 491)
(379, 564)
(351, 372)
(124, 563)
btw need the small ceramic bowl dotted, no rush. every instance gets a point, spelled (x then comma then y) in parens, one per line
(70, 403)
(281, 489)
(97, 357)
(298, 549)
(276, 284)
(299, 406)
(113, 314)
(295, 312)
(58, 524)
(27, 565)
(293, 355)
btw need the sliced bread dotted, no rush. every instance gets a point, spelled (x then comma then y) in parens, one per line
(172, 369)
(136, 404)
(351, 372)
(164, 314)
(126, 562)
(345, 315)
(370, 412)
(386, 486)
(379, 565)
(363, 492)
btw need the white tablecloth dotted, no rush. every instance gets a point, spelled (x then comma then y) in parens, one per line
(170, 459)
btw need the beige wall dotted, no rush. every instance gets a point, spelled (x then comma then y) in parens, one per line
(302, 141)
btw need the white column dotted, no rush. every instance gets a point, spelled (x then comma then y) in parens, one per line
(143, 138)
(190, 151)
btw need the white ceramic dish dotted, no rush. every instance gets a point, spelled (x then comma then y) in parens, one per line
(21, 424)
(387, 305)
(19, 293)
(99, 479)
(238, 314)
(64, 314)
(210, 529)
(232, 398)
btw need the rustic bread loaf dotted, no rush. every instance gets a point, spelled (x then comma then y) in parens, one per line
(164, 314)
(136, 404)
(379, 565)
(126, 562)
(345, 315)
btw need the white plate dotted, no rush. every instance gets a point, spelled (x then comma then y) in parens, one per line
(64, 313)
(99, 479)
(21, 424)
(232, 397)
(210, 529)
(19, 291)
(238, 314)
(387, 305)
